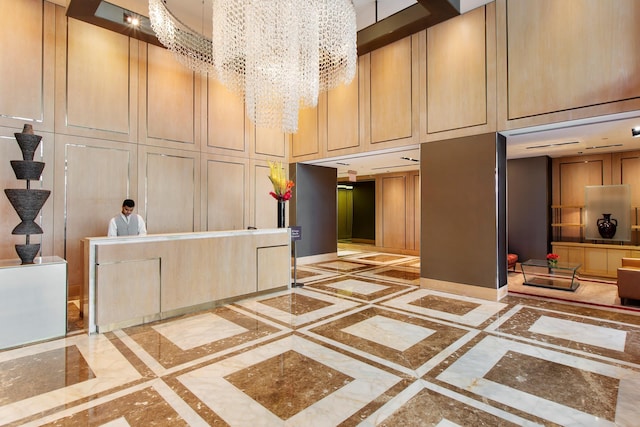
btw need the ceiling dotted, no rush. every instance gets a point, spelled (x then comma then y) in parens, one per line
(381, 22)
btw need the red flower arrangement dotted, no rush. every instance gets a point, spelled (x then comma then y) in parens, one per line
(552, 257)
(281, 185)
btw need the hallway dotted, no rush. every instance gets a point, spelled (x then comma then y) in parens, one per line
(359, 344)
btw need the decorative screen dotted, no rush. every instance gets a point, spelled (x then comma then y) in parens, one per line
(608, 212)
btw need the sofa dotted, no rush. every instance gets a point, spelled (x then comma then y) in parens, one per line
(629, 280)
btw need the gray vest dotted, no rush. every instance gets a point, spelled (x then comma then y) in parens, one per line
(125, 229)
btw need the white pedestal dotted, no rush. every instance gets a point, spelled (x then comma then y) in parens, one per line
(33, 301)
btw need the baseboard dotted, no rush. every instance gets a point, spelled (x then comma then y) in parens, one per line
(463, 289)
(312, 259)
(364, 241)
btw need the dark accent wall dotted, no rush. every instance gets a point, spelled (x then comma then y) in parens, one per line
(463, 210)
(529, 198)
(314, 208)
(364, 210)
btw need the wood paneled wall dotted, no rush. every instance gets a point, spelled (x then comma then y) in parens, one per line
(121, 118)
(566, 60)
(571, 174)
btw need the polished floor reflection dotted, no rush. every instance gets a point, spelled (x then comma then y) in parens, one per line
(360, 344)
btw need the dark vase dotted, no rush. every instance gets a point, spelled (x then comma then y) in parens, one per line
(281, 210)
(28, 144)
(27, 204)
(28, 252)
(607, 226)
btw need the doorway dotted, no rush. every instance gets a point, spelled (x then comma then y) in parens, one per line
(357, 212)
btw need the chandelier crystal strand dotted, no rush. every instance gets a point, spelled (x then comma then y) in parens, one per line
(277, 55)
(188, 46)
(338, 43)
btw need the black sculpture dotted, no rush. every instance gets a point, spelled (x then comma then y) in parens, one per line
(27, 202)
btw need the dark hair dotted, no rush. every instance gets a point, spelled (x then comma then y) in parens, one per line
(128, 203)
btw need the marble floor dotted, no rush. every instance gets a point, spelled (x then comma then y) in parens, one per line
(360, 344)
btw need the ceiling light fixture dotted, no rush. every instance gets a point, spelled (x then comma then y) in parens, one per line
(603, 146)
(557, 144)
(131, 20)
(278, 55)
(635, 132)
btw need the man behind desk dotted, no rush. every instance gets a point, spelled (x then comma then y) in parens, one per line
(126, 224)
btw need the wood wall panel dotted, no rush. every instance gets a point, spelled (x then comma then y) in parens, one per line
(626, 170)
(27, 71)
(170, 99)
(87, 205)
(98, 84)
(573, 176)
(391, 94)
(306, 141)
(570, 54)
(225, 206)
(457, 77)
(226, 119)
(343, 117)
(394, 224)
(270, 142)
(265, 211)
(170, 182)
(569, 177)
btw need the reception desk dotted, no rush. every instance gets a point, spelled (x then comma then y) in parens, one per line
(139, 279)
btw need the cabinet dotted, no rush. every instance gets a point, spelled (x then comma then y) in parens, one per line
(597, 259)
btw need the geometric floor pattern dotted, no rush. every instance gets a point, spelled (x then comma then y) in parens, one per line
(360, 344)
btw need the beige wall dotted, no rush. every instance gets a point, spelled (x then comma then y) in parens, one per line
(121, 118)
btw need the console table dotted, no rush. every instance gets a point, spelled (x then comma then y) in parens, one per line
(539, 273)
(33, 306)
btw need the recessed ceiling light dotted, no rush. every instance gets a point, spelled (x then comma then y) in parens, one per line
(603, 146)
(555, 144)
(635, 132)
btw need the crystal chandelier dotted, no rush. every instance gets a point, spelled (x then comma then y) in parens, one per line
(277, 54)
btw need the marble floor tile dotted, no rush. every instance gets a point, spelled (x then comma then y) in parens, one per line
(338, 385)
(403, 274)
(305, 274)
(296, 307)
(559, 387)
(342, 266)
(360, 344)
(374, 332)
(424, 403)
(460, 309)
(172, 343)
(615, 340)
(378, 258)
(44, 381)
(360, 288)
